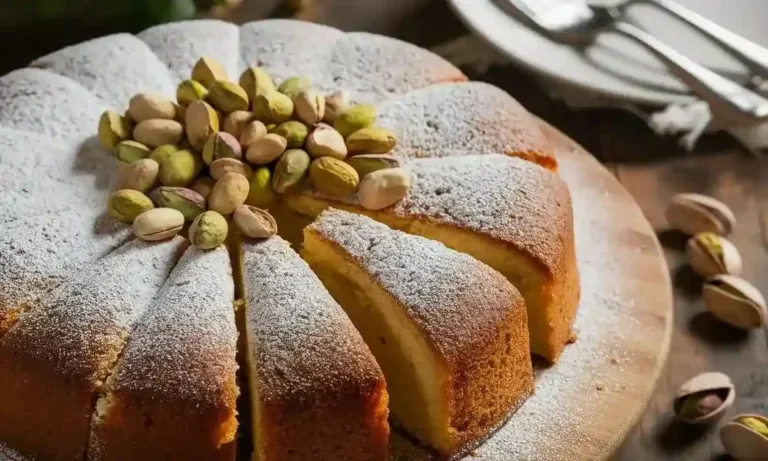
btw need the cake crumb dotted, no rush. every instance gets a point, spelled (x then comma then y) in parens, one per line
(599, 386)
(572, 338)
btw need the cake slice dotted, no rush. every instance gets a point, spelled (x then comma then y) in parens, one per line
(448, 331)
(316, 390)
(172, 394)
(511, 214)
(54, 361)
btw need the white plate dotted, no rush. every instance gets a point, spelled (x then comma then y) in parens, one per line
(615, 67)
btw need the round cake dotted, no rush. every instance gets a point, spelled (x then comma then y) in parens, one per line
(419, 310)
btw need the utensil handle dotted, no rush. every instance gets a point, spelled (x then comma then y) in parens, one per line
(727, 98)
(754, 56)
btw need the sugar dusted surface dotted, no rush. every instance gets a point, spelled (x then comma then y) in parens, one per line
(40, 101)
(454, 299)
(179, 45)
(184, 347)
(472, 118)
(301, 339)
(114, 68)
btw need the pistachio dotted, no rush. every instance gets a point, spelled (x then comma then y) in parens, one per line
(158, 224)
(273, 107)
(203, 185)
(368, 163)
(113, 129)
(131, 151)
(156, 132)
(326, 142)
(333, 177)
(228, 193)
(254, 222)
(148, 106)
(711, 255)
(163, 152)
(223, 166)
(704, 399)
(202, 122)
(294, 132)
(140, 175)
(190, 91)
(335, 104)
(126, 204)
(290, 170)
(207, 70)
(219, 146)
(179, 169)
(735, 301)
(310, 107)
(235, 122)
(746, 437)
(266, 149)
(383, 188)
(694, 213)
(228, 97)
(181, 113)
(252, 133)
(208, 230)
(188, 202)
(373, 140)
(355, 118)
(255, 81)
(294, 86)
(260, 193)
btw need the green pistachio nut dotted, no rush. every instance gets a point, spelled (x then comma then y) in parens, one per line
(228, 97)
(255, 81)
(221, 145)
(184, 200)
(180, 169)
(333, 177)
(372, 140)
(127, 204)
(355, 118)
(294, 132)
(273, 107)
(208, 230)
(190, 91)
(368, 163)
(261, 194)
(162, 152)
(207, 70)
(290, 170)
(294, 86)
(113, 129)
(131, 151)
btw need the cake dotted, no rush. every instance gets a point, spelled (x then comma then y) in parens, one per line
(449, 332)
(316, 390)
(173, 392)
(115, 348)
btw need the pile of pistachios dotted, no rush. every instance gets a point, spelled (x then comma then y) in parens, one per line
(224, 152)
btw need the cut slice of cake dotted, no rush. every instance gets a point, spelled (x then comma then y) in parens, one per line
(172, 394)
(509, 213)
(54, 361)
(316, 390)
(449, 332)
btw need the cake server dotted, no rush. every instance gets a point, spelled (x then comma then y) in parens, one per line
(577, 23)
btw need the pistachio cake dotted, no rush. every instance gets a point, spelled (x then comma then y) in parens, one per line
(115, 346)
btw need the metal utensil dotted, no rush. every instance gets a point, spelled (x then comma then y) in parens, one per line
(575, 22)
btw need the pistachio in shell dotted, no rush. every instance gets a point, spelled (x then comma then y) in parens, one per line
(335, 104)
(228, 193)
(711, 254)
(735, 301)
(140, 175)
(325, 141)
(113, 129)
(368, 163)
(746, 437)
(162, 152)
(255, 81)
(179, 169)
(131, 151)
(158, 224)
(252, 132)
(236, 122)
(294, 133)
(383, 188)
(127, 204)
(201, 122)
(694, 213)
(290, 170)
(227, 97)
(294, 86)
(266, 149)
(254, 222)
(219, 146)
(156, 132)
(273, 107)
(310, 107)
(203, 185)
(333, 177)
(190, 91)
(704, 399)
(223, 166)
(188, 202)
(207, 70)
(371, 140)
(260, 193)
(208, 230)
(148, 106)
(355, 118)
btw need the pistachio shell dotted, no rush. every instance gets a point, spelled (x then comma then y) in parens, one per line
(735, 301)
(179, 169)
(372, 140)
(203, 185)
(223, 166)
(260, 193)
(266, 149)
(202, 121)
(368, 163)
(383, 188)
(255, 81)
(335, 104)
(711, 382)
(273, 107)
(254, 222)
(310, 107)
(156, 132)
(252, 133)
(290, 170)
(694, 213)
(140, 175)
(355, 118)
(148, 106)
(127, 204)
(208, 230)
(235, 122)
(207, 70)
(131, 151)
(333, 177)
(228, 193)
(294, 132)
(190, 91)
(219, 146)
(294, 86)
(188, 202)
(712, 255)
(162, 152)
(742, 441)
(228, 97)
(324, 141)
(158, 224)
(113, 128)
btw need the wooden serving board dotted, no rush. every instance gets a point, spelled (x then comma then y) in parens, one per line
(586, 404)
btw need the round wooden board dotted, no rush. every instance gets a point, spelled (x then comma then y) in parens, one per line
(586, 404)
